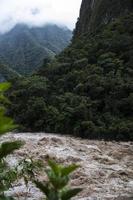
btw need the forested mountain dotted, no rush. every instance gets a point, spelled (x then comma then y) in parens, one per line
(87, 90)
(24, 49)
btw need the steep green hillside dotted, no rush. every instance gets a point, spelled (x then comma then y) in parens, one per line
(24, 49)
(87, 90)
(7, 73)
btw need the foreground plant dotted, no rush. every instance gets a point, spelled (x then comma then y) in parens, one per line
(7, 175)
(58, 178)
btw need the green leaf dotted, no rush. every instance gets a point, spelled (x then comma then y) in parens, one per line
(7, 148)
(68, 170)
(54, 166)
(68, 194)
(43, 188)
(53, 195)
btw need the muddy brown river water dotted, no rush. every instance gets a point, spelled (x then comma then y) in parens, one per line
(106, 168)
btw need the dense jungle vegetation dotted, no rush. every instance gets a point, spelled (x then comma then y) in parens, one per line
(86, 91)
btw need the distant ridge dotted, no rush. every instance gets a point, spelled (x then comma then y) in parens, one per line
(24, 48)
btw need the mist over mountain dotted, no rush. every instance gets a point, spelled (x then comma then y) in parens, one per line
(38, 13)
(24, 48)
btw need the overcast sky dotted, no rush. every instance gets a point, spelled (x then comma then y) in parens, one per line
(38, 12)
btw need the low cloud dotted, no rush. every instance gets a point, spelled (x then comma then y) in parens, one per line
(38, 12)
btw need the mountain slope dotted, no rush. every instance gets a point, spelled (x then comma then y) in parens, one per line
(88, 90)
(24, 48)
(7, 73)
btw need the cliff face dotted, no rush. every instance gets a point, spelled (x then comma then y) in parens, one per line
(95, 13)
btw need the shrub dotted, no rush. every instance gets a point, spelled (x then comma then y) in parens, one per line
(7, 175)
(56, 188)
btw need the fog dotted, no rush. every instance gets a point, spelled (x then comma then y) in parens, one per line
(38, 13)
